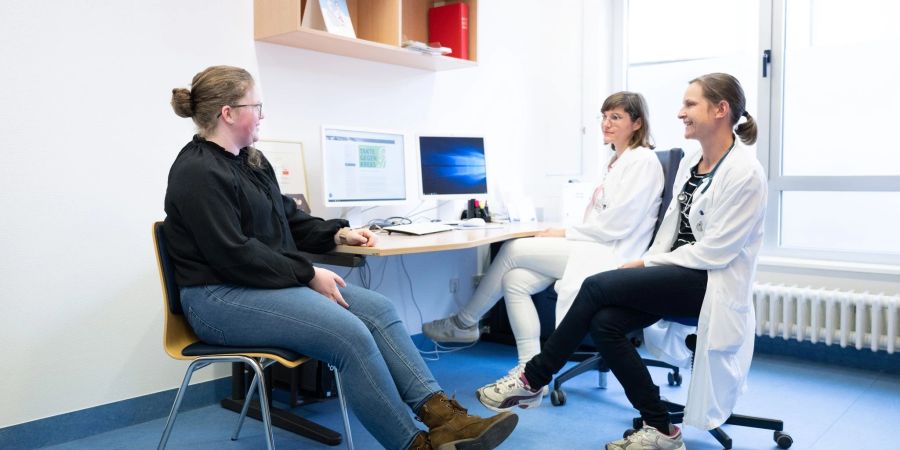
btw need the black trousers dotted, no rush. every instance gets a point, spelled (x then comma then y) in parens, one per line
(609, 306)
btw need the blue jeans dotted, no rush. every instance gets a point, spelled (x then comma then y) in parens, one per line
(379, 365)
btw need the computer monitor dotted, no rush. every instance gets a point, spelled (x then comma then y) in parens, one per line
(364, 167)
(452, 166)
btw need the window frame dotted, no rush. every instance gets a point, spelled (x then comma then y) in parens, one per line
(769, 117)
(770, 152)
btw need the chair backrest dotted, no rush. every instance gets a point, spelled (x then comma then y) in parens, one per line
(177, 333)
(166, 270)
(670, 159)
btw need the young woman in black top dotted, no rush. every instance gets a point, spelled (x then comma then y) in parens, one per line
(235, 240)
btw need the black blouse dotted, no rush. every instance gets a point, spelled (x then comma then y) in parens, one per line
(685, 199)
(228, 223)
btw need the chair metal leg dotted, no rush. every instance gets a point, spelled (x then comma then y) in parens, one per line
(263, 402)
(244, 409)
(170, 422)
(247, 398)
(340, 389)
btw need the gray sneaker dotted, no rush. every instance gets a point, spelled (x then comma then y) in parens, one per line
(648, 438)
(449, 330)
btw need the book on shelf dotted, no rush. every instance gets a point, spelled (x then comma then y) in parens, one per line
(449, 25)
(328, 15)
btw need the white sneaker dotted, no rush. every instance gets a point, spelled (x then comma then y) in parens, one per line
(512, 374)
(648, 438)
(450, 331)
(508, 392)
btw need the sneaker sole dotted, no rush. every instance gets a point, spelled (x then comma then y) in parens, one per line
(489, 438)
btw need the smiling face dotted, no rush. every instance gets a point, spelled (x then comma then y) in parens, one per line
(697, 113)
(618, 128)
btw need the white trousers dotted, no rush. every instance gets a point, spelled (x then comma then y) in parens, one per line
(522, 267)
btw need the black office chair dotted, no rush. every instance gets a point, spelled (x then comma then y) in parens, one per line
(180, 342)
(676, 410)
(670, 159)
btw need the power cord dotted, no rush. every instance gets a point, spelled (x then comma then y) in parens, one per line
(414, 213)
(428, 355)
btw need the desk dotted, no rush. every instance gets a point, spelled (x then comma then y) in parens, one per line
(404, 244)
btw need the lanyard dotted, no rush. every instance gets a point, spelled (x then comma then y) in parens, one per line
(709, 177)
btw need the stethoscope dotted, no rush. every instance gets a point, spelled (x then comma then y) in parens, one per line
(682, 197)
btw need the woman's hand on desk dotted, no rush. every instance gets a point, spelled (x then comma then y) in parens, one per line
(552, 232)
(326, 283)
(360, 237)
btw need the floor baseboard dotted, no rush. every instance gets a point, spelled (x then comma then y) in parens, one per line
(108, 417)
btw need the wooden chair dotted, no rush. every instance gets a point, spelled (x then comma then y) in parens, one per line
(181, 343)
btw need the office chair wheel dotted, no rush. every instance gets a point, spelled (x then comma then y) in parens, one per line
(783, 440)
(674, 379)
(628, 432)
(557, 397)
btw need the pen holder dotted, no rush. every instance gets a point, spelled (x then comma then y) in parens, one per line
(479, 212)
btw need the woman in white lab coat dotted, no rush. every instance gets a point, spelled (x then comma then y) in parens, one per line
(617, 227)
(701, 264)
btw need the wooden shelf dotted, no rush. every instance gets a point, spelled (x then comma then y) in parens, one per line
(322, 41)
(278, 22)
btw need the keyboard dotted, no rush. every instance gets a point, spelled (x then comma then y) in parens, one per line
(419, 228)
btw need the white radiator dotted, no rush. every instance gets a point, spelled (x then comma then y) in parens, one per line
(829, 316)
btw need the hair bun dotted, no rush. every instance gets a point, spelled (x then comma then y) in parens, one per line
(181, 102)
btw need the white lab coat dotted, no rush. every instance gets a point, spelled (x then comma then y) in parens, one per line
(727, 221)
(620, 224)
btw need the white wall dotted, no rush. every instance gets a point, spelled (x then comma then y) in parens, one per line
(89, 137)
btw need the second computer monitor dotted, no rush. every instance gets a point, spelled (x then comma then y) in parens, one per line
(452, 166)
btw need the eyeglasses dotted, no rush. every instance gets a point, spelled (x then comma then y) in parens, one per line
(612, 118)
(258, 107)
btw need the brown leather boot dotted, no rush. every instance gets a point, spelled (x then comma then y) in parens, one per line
(421, 442)
(452, 428)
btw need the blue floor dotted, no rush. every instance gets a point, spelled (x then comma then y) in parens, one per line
(823, 407)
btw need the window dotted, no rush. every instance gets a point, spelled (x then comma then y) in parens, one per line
(834, 164)
(825, 108)
(670, 43)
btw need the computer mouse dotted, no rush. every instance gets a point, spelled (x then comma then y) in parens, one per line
(473, 222)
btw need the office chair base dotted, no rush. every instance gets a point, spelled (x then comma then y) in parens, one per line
(594, 362)
(676, 416)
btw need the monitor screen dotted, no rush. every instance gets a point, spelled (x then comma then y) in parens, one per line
(452, 166)
(363, 167)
